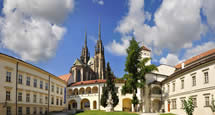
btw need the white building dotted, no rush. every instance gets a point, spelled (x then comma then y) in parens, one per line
(192, 78)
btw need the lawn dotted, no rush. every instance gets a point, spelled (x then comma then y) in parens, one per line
(167, 114)
(105, 113)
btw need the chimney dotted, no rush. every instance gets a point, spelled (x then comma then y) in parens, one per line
(182, 66)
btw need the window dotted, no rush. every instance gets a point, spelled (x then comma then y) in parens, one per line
(8, 111)
(19, 110)
(206, 77)
(174, 104)
(41, 84)
(173, 86)
(182, 83)
(57, 101)
(27, 97)
(7, 95)
(41, 99)
(207, 101)
(61, 102)
(163, 89)
(41, 110)
(19, 96)
(47, 86)
(61, 91)
(35, 98)
(52, 88)
(52, 102)
(20, 79)
(57, 90)
(28, 81)
(35, 82)
(168, 88)
(8, 76)
(78, 76)
(194, 80)
(182, 103)
(46, 100)
(194, 101)
(35, 111)
(28, 112)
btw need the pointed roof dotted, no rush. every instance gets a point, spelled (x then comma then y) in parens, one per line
(99, 29)
(78, 62)
(145, 48)
(85, 43)
(65, 77)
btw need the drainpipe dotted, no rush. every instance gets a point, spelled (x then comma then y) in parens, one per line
(17, 63)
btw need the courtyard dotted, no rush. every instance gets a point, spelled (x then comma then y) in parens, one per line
(96, 112)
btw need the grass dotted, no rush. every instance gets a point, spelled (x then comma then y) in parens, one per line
(105, 113)
(167, 114)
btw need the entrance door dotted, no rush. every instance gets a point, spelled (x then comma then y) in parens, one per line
(126, 105)
(168, 106)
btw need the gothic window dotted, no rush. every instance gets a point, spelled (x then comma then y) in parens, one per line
(78, 76)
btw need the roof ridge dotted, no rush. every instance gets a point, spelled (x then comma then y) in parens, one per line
(195, 58)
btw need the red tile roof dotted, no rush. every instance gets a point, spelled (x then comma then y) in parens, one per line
(65, 77)
(88, 82)
(178, 66)
(145, 48)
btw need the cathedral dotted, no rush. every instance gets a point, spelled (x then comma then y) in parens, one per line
(87, 68)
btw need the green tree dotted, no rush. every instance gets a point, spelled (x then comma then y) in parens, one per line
(188, 106)
(131, 69)
(212, 106)
(143, 70)
(109, 88)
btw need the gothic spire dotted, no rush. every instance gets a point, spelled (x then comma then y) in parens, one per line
(99, 29)
(85, 44)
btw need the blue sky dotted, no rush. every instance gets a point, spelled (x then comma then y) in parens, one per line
(55, 33)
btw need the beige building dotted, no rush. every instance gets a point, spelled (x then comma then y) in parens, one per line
(28, 89)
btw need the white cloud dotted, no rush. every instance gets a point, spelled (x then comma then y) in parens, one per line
(117, 48)
(100, 2)
(148, 16)
(208, 9)
(177, 24)
(199, 49)
(31, 28)
(127, 25)
(170, 59)
(134, 18)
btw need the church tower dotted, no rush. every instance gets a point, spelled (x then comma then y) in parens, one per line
(85, 55)
(99, 59)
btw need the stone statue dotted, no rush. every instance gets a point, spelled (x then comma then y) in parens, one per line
(109, 107)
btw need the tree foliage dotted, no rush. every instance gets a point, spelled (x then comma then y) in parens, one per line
(131, 69)
(188, 106)
(136, 68)
(109, 88)
(212, 106)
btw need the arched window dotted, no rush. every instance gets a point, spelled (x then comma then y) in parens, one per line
(95, 89)
(78, 76)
